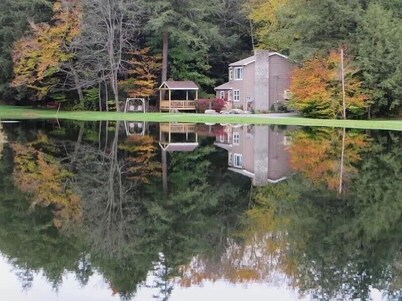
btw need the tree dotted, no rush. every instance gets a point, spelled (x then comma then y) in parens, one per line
(110, 29)
(266, 18)
(317, 90)
(38, 174)
(3, 140)
(40, 58)
(14, 17)
(379, 57)
(187, 32)
(317, 155)
(142, 74)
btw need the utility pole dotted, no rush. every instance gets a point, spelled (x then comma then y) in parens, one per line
(343, 86)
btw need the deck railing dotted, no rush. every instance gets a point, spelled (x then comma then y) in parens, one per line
(177, 104)
(178, 128)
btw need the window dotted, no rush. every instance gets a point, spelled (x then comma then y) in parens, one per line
(230, 159)
(238, 160)
(287, 94)
(222, 94)
(230, 73)
(238, 73)
(222, 138)
(236, 95)
(236, 138)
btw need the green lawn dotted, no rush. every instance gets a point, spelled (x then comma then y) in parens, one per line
(8, 112)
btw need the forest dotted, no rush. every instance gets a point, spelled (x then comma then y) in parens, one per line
(92, 203)
(89, 54)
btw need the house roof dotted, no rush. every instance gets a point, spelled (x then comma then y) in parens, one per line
(179, 85)
(180, 147)
(225, 86)
(244, 62)
(251, 59)
(279, 54)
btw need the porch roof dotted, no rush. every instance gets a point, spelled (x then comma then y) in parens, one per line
(180, 147)
(178, 85)
(225, 86)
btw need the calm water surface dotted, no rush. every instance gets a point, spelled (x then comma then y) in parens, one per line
(146, 211)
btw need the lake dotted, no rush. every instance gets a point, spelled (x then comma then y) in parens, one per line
(179, 211)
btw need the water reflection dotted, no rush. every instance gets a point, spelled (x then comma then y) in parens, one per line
(258, 152)
(88, 199)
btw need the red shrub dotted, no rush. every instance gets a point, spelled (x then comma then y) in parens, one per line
(216, 104)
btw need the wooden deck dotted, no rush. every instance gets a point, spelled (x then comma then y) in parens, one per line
(181, 105)
(178, 128)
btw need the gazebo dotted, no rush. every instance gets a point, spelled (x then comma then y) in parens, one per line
(181, 96)
(175, 137)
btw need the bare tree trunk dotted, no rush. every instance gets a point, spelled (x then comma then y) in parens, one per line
(107, 96)
(164, 175)
(343, 86)
(78, 86)
(78, 143)
(342, 161)
(100, 96)
(165, 52)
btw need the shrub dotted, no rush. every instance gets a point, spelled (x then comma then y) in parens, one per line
(216, 104)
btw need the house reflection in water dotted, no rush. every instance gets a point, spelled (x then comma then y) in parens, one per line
(258, 152)
(175, 137)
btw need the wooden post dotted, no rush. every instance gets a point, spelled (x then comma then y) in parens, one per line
(170, 100)
(160, 100)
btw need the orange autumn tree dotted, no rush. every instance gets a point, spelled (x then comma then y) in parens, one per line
(39, 57)
(317, 155)
(317, 88)
(41, 176)
(142, 74)
(141, 162)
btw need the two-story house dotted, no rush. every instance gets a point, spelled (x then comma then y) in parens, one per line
(258, 82)
(257, 152)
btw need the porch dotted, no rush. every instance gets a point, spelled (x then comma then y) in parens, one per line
(177, 96)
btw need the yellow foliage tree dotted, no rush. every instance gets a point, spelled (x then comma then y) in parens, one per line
(142, 75)
(264, 15)
(38, 57)
(141, 162)
(39, 175)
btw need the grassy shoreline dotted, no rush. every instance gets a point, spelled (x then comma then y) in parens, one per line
(20, 113)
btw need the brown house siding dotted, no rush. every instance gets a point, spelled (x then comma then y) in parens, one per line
(266, 76)
(279, 74)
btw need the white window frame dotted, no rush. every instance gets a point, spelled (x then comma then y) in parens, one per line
(287, 94)
(236, 138)
(230, 95)
(236, 95)
(230, 73)
(238, 73)
(222, 94)
(238, 160)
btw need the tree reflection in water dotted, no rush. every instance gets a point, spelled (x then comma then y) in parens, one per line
(300, 232)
